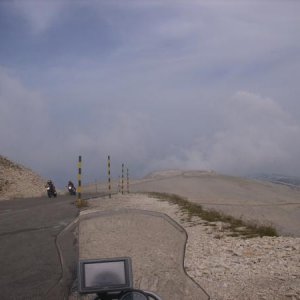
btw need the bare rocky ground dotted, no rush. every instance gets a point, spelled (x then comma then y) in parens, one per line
(16, 181)
(255, 201)
(226, 267)
(230, 268)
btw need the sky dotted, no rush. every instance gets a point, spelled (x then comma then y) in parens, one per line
(169, 84)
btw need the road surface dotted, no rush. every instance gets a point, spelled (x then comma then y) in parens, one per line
(30, 264)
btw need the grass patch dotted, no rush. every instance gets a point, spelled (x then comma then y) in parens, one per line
(237, 227)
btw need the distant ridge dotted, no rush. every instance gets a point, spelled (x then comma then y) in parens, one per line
(291, 181)
(17, 181)
(177, 172)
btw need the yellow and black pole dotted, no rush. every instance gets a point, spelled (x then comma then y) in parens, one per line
(79, 182)
(127, 181)
(122, 179)
(108, 173)
(119, 184)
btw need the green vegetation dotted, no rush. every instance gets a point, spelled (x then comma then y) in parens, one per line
(236, 227)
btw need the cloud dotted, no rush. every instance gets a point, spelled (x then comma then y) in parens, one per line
(258, 136)
(23, 117)
(41, 15)
(49, 136)
(158, 84)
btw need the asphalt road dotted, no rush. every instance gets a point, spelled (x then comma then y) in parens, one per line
(30, 260)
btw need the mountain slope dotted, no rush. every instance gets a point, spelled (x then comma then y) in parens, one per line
(260, 202)
(16, 181)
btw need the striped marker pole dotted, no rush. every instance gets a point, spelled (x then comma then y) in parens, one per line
(79, 181)
(122, 179)
(119, 184)
(127, 181)
(108, 173)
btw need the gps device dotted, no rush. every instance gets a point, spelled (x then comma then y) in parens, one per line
(104, 275)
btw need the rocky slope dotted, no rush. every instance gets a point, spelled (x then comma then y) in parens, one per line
(16, 181)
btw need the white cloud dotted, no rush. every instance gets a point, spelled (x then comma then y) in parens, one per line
(41, 14)
(23, 117)
(258, 136)
(155, 90)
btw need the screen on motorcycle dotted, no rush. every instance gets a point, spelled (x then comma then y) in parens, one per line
(104, 275)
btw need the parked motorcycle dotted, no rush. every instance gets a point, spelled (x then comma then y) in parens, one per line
(110, 279)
